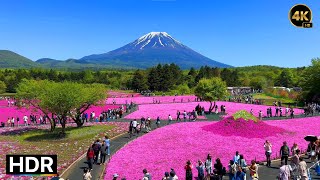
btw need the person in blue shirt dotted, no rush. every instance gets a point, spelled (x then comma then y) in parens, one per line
(107, 141)
(236, 158)
(240, 175)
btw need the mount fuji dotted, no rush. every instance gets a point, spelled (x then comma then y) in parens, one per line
(150, 50)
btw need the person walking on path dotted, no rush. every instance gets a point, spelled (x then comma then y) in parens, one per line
(303, 172)
(178, 115)
(130, 129)
(188, 167)
(158, 122)
(253, 168)
(103, 152)
(268, 151)
(232, 170)
(285, 171)
(90, 156)
(185, 116)
(86, 174)
(243, 165)
(107, 141)
(284, 152)
(169, 119)
(96, 149)
(134, 126)
(25, 120)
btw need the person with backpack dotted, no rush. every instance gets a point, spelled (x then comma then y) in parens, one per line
(284, 152)
(103, 152)
(96, 149)
(285, 171)
(303, 169)
(90, 156)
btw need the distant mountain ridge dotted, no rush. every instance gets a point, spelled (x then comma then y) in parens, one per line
(152, 49)
(9, 59)
(147, 51)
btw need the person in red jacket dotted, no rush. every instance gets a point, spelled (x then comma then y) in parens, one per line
(90, 156)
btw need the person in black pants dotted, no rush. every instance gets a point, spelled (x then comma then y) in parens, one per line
(96, 149)
(103, 152)
(284, 152)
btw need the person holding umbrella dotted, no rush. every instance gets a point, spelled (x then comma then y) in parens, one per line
(312, 146)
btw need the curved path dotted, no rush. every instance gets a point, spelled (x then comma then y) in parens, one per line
(75, 172)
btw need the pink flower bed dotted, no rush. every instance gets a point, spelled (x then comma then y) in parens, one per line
(240, 128)
(8, 146)
(9, 112)
(163, 110)
(150, 100)
(171, 146)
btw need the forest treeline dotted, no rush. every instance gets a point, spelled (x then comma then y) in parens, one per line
(169, 77)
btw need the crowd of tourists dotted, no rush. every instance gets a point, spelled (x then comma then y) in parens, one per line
(238, 169)
(247, 99)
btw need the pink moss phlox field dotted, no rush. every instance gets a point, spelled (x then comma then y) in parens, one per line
(150, 100)
(243, 128)
(8, 146)
(163, 110)
(171, 146)
(9, 112)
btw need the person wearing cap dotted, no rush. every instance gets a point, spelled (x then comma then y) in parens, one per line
(147, 176)
(115, 176)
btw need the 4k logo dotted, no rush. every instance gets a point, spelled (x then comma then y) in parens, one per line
(300, 15)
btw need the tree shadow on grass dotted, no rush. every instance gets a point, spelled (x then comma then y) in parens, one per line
(46, 135)
(17, 131)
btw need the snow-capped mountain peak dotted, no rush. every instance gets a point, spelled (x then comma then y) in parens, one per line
(156, 40)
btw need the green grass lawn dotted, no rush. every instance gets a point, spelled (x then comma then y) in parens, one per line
(7, 94)
(268, 100)
(41, 141)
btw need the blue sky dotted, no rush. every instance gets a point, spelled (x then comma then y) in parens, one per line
(235, 32)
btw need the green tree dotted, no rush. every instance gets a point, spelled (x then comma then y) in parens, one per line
(3, 87)
(258, 82)
(285, 79)
(211, 90)
(63, 100)
(139, 81)
(310, 81)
